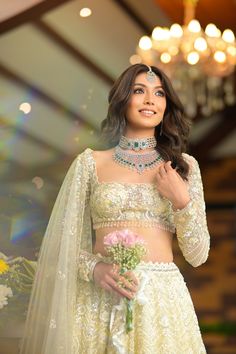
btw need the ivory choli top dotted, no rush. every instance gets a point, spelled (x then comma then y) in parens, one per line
(129, 204)
(140, 204)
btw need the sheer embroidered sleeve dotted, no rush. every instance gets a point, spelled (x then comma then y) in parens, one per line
(87, 261)
(190, 222)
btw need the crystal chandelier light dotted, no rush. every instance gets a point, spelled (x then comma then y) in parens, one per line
(200, 63)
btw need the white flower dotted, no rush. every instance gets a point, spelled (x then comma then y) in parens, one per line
(5, 292)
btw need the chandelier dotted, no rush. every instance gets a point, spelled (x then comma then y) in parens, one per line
(200, 63)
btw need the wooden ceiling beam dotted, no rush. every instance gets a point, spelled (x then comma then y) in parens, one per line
(49, 32)
(30, 14)
(24, 135)
(135, 17)
(49, 100)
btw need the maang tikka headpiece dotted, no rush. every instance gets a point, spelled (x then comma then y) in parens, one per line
(151, 76)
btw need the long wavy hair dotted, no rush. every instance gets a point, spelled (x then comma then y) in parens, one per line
(172, 142)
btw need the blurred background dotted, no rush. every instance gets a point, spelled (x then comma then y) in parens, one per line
(57, 64)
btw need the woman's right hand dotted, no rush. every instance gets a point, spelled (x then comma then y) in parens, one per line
(107, 277)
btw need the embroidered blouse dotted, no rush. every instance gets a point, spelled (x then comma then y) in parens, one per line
(140, 204)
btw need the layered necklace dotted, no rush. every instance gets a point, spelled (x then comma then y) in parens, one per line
(137, 161)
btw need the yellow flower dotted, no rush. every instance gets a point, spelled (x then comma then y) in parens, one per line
(3, 266)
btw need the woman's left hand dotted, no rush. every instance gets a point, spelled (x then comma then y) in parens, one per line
(171, 186)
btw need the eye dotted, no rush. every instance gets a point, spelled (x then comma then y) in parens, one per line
(138, 90)
(160, 93)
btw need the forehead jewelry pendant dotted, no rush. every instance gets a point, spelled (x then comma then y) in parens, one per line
(151, 76)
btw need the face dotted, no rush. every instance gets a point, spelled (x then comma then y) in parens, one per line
(147, 104)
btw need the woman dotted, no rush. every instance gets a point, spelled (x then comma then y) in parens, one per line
(145, 183)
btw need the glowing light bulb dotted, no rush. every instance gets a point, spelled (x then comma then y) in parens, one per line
(145, 43)
(165, 58)
(212, 31)
(200, 44)
(176, 30)
(232, 51)
(85, 12)
(228, 36)
(193, 58)
(156, 33)
(161, 34)
(194, 26)
(25, 107)
(166, 34)
(219, 56)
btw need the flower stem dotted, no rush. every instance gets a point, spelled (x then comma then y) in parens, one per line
(129, 315)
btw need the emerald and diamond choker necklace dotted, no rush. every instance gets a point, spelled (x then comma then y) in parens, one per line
(137, 161)
(137, 144)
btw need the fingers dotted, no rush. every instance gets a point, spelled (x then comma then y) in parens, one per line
(118, 288)
(168, 166)
(164, 169)
(115, 269)
(108, 277)
(107, 287)
(125, 285)
(130, 275)
(128, 279)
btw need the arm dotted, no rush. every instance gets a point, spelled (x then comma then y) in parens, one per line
(190, 222)
(105, 275)
(86, 265)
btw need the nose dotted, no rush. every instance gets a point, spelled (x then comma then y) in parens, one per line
(148, 99)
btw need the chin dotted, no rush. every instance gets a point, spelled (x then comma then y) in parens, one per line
(143, 124)
(150, 124)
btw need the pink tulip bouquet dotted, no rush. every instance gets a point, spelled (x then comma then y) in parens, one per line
(126, 249)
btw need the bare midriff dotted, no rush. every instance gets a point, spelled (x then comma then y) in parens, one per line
(158, 242)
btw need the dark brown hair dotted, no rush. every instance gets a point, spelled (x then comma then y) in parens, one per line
(175, 126)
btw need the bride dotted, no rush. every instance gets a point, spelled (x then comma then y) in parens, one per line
(145, 183)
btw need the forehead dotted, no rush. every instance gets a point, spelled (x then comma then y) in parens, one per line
(142, 79)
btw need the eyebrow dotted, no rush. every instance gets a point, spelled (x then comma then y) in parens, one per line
(143, 85)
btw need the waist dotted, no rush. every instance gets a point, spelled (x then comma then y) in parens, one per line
(158, 242)
(148, 265)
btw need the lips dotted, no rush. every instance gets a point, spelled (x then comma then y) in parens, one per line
(147, 112)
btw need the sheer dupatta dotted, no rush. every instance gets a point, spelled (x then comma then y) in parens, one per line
(49, 324)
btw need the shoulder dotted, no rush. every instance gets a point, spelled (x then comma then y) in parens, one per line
(84, 158)
(91, 159)
(84, 155)
(189, 159)
(102, 156)
(193, 164)
(103, 153)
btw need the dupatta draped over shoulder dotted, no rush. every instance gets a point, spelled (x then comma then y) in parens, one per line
(52, 308)
(49, 324)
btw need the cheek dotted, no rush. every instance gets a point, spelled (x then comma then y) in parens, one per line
(133, 104)
(134, 101)
(162, 105)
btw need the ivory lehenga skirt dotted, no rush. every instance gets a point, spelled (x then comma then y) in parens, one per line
(164, 318)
